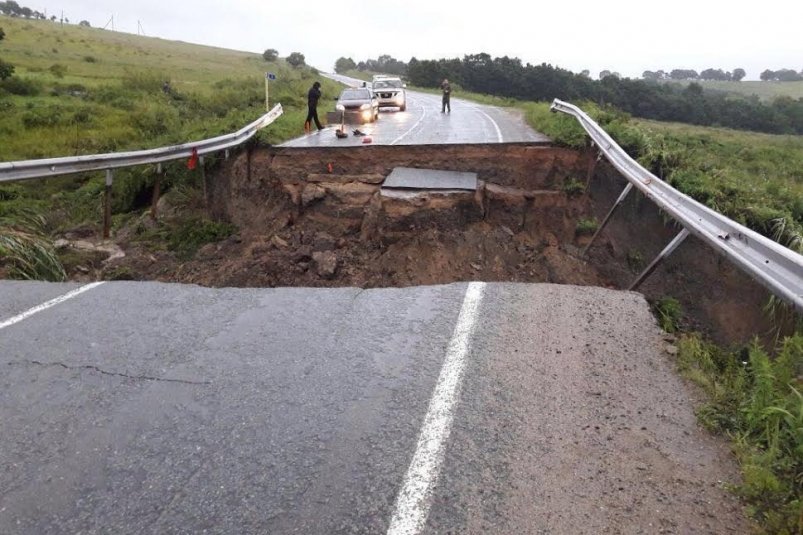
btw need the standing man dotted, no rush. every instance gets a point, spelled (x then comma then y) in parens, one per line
(313, 97)
(447, 93)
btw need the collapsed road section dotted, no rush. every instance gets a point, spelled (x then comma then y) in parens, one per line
(390, 216)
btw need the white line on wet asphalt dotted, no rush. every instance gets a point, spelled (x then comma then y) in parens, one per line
(44, 306)
(496, 126)
(413, 501)
(404, 135)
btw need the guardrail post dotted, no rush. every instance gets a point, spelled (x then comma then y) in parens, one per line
(203, 180)
(665, 253)
(605, 221)
(156, 192)
(593, 158)
(107, 205)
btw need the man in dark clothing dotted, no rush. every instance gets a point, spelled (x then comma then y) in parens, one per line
(447, 93)
(313, 97)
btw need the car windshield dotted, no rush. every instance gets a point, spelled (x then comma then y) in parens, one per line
(387, 84)
(355, 94)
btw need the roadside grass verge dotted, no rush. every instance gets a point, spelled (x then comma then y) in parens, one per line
(757, 401)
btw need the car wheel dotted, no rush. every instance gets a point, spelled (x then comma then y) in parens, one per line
(403, 107)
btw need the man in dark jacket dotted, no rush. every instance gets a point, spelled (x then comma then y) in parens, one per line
(313, 97)
(447, 93)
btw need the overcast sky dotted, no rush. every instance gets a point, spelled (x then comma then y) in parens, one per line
(619, 35)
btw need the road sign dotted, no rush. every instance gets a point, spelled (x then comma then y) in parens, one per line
(270, 76)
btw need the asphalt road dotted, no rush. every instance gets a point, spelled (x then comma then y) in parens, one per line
(423, 124)
(156, 408)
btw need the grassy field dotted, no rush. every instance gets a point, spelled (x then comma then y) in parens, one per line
(79, 90)
(766, 91)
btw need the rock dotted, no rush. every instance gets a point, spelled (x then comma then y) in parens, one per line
(323, 242)
(325, 263)
(671, 350)
(311, 194)
(303, 254)
(279, 243)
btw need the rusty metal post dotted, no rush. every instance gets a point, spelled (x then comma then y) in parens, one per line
(605, 221)
(156, 192)
(682, 235)
(107, 205)
(203, 180)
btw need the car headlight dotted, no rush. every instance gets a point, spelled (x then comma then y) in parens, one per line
(365, 107)
(340, 107)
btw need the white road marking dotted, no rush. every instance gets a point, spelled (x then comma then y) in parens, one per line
(404, 135)
(44, 306)
(413, 501)
(496, 126)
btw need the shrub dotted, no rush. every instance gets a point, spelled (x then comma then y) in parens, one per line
(669, 313)
(90, 59)
(25, 251)
(586, 226)
(24, 87)
(146, 81)
(574, 187)
(58, 70)
(194, 233)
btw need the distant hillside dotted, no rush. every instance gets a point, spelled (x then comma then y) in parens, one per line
(766, 91)
(78, 90)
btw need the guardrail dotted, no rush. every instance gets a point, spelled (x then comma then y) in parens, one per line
(28, 169)
(777, 268)
(50, 167)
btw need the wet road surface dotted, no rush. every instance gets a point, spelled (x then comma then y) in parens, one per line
(424, 124)
(157, 408)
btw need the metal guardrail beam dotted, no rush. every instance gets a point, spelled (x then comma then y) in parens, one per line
(777, 268)
(29, 169)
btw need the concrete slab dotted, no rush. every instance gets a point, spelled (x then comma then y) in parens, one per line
(430, 179)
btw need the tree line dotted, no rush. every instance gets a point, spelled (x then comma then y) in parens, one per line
(690, 74)
(509, 77)
(13, 9)
(385, 64)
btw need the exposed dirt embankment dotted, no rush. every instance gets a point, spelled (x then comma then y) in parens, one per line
(716, 297)
(317, 217)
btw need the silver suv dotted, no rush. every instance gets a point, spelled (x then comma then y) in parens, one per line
(390, 91)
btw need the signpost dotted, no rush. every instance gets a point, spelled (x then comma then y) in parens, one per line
(268, 77)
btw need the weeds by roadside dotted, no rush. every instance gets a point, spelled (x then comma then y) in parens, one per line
(756, 400)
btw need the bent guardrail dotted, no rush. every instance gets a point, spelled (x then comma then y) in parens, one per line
(777, 268)
(51, 167)
(28, 169)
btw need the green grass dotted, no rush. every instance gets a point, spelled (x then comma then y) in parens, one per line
(668, 311)
(757, 401)
(586, 226)
(115, 102)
